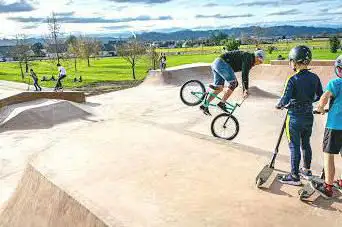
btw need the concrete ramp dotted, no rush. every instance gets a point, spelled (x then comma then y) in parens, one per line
(177, 76)
(55, 208)
(152, 161)
(31, 96)
(40, 114)
(138, 174)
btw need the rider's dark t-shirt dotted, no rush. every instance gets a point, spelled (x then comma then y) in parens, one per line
(240, 61)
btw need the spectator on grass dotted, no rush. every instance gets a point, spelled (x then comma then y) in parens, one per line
(162, 61)
(35, 80)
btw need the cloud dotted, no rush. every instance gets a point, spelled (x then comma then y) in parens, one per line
(142, 1)
(27, 19)
(220, 16)
(285, 12)
(30, 27)
(85, 20)
(258, 3)
(311, 20)
(21, 6)
(330, 11)
(120, 8)
(65, 14)
(117, 27)
(280, 2)
(70, 2)
(211, 5)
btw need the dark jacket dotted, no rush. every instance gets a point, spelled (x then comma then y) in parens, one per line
(34, 76)
(240, 61)
(301, 90)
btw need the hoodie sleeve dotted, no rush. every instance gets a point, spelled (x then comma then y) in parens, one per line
(287, 95)
(246, 67)
(319, 91)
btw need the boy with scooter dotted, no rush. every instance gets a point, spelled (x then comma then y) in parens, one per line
(332, 142)
(301, 91)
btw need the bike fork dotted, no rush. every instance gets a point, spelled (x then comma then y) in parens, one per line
(206, 103)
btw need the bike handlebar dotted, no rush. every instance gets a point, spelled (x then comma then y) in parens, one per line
(240, 104)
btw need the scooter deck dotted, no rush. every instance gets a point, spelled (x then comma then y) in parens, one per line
(307, 191)
(264, 175)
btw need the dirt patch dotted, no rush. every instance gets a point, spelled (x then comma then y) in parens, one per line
(99, 88)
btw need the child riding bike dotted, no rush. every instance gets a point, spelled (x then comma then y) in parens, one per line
(224, 68)
(332, 142)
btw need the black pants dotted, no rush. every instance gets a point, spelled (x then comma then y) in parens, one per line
(36, 85)
(59, 82)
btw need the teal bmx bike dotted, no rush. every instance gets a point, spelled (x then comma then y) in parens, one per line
(225, 125)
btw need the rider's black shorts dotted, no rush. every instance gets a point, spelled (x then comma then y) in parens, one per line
(332, 142)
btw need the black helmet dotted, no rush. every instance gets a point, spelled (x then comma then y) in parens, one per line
(301, 54)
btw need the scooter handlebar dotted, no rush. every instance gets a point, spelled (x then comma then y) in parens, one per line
(317, 112)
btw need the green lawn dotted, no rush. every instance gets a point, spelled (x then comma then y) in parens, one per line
(101, 70)
(117, 69)
(187, 59)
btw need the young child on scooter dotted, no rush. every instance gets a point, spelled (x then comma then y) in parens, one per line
(301, 91)
(332, 142)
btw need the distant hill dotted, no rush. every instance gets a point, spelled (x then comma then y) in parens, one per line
(276, 31)
(269, 32)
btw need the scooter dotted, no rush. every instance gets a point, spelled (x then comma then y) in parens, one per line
(267, 171)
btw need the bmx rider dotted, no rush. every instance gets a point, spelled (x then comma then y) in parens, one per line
(224, 68)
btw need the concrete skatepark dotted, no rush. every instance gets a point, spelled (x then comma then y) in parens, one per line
(140, 157)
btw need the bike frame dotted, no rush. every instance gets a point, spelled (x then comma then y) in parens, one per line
(230, 107)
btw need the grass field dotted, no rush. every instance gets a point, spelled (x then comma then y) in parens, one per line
(117, 69)
(101, 70)
(318, 44)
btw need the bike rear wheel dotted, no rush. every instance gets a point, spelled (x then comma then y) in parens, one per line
(192, 93)
(225, 126)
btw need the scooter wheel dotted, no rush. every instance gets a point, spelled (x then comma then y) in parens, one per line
(300, 192)
(259, 183)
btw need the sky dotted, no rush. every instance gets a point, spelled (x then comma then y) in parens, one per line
(114, 17)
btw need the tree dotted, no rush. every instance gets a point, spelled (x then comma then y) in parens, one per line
(258, 33)
(334, 44)
(54, 37)
(270, 49)
(231, 44)
(73, 49)
(21, 52)
(88, 47)
(218, 37)
(37, 49)
(131, 52)
(153, 55)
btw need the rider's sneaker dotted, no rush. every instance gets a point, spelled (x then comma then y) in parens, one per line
(222, 106)
(338, 185)
(214, 87)
(290, 179)
(205, 110)
(306, 173)
(323, 189)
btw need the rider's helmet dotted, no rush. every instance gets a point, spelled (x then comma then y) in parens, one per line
(338, 66)
(300, 54)
(260, 54)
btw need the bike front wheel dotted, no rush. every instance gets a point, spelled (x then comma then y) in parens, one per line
(225, 126)
(192, 93)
